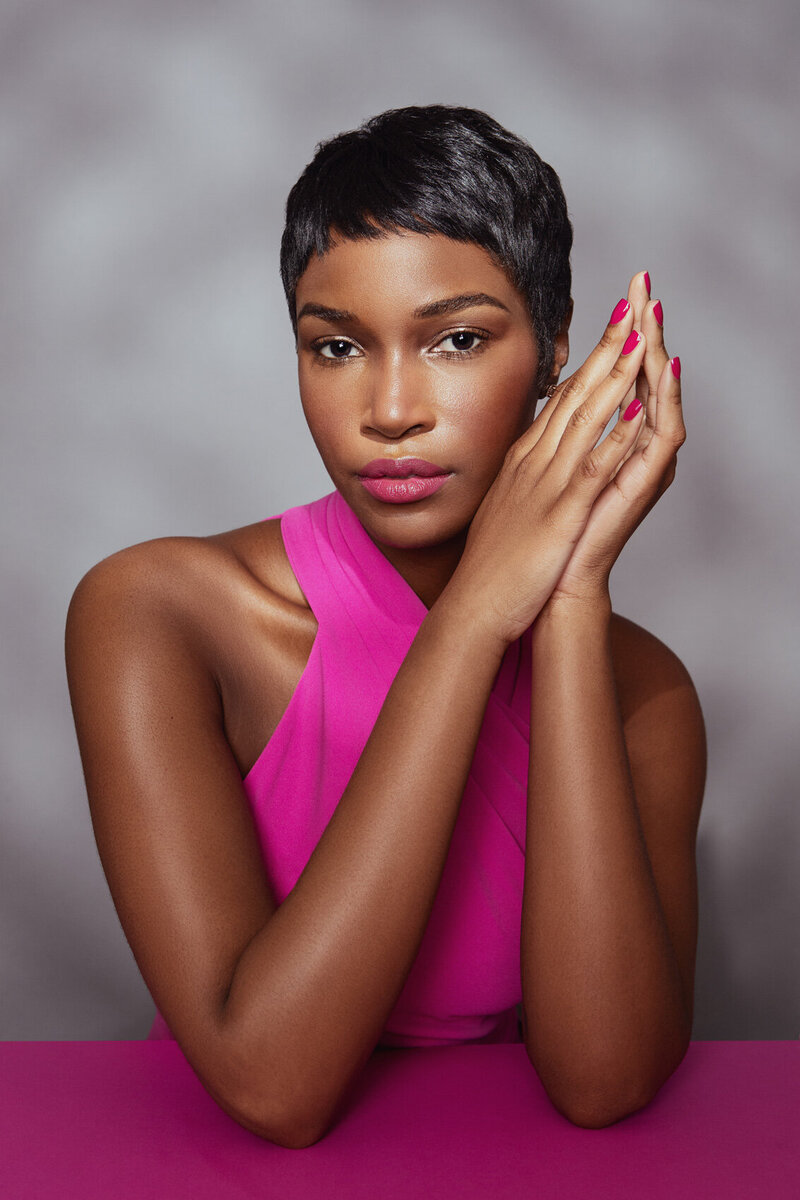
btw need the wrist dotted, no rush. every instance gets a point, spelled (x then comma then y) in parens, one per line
(569, 635)
(466, 619)
(591, 608)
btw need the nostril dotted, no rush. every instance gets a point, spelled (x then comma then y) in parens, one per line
(400, 435)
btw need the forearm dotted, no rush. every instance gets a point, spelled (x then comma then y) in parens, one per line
(311, 993)
(606, 1017)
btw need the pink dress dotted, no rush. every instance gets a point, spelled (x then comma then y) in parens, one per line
(465, 981)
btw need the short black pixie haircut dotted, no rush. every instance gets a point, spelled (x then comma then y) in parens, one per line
(439, 169)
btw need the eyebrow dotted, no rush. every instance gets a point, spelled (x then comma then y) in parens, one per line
(436, 308)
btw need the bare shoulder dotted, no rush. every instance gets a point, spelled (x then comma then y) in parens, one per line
(662, 718)
(181, 574)
(146, 623)
(212, 591)
(644, 666)
(214, 627)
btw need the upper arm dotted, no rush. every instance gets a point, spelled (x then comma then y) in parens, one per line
(665, 739)
(171, 820)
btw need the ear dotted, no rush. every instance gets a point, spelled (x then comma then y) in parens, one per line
(561, 344)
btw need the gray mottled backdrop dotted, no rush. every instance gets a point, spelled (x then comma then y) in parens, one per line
(149, 382)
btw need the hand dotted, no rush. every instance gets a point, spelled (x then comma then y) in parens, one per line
(532, 519)
(646, 470)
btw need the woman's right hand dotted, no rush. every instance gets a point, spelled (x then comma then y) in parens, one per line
(530, 520)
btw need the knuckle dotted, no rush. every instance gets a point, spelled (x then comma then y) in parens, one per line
(619, 369)
(617, 434)
(517, 452)
(512, 456)
(571, 387)
(581, 417)
(591, 467)
(609, 339)
(550, 518)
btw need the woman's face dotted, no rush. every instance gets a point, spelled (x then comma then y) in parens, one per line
(413, 347)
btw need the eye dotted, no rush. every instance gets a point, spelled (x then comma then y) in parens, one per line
(337, 348)
(465, 341)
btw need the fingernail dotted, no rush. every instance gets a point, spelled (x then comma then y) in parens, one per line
(647, 281)
(675, 363)
(633, 408)
(619, 312)
(633, 342)
(658, 313)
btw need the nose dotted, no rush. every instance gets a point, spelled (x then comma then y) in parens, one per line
(398, 404)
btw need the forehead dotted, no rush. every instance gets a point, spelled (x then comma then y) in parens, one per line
(401, 272)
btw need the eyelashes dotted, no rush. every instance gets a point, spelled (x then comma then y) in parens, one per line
(341, 343)
(480, 340)
(340, 347)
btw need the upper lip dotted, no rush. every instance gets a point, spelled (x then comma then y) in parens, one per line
(400, 468)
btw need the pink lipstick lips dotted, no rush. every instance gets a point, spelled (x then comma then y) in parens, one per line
(402, 480)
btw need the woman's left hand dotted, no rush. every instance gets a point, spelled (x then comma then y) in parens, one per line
(647, 470)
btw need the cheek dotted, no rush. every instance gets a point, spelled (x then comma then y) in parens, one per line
(322, 423)
(319, 404)
(326, 430)
(497, 407)
(515, 377)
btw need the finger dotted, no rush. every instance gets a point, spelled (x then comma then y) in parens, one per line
(600, 464)
(572, 391)
(580, 428)
(650, 469)
(638, 296)
(645, 433)
(669, 432)
(654, 359)
(649, 318)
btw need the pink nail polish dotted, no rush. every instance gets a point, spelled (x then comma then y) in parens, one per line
(675, 363)
(658, 313)
(619, 312)
(647, 281)
(632, 343)
(633, 408)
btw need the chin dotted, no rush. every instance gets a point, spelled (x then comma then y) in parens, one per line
(417, 526)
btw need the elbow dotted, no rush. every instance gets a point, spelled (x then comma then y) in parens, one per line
(599, 1110)
(596, 1099)
(297, 1130)
(291, 1123)
(290, 1128)
(596, 1102)
(268, 1090)
(291, 1133)
(279, 1110)
(267, 1108)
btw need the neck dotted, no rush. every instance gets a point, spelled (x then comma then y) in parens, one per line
(426, 570)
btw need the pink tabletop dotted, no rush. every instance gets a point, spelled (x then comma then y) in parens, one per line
(129, 1119)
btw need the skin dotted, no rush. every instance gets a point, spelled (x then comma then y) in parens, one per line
(183, 654)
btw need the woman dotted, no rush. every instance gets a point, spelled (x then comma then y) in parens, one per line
(468, 785)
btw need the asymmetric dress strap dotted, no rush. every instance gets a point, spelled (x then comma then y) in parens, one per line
(465, 980)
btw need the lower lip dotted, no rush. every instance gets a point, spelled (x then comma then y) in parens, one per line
(403, 491)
